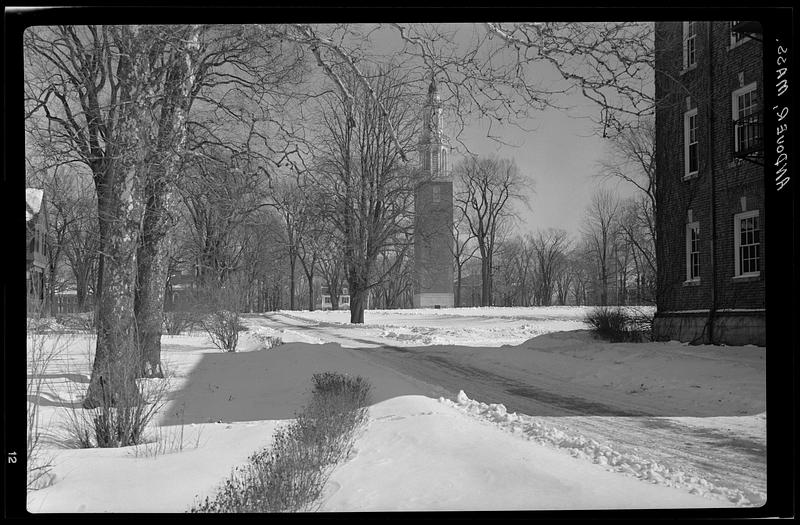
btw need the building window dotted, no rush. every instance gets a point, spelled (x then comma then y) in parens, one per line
(437, 194)
(737, 38)
(444, 161)
(747, 119)
(690, 146)
(689, 44)
(693, 251)
(747, 243)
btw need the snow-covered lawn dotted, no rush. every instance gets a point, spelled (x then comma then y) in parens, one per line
(480, 326)
(421, 450)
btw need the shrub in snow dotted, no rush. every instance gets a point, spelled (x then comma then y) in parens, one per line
(618, 324)
(290, 476)
(118, 420)
(220, 309)
(265, 338)
(79, 322)
(222, 328)
(176, 323)
(43, 347)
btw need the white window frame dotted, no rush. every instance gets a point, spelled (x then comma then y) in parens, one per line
(692, 226)
(737, 234)
(686, 39)
(686, 144)
(753, 86)
(737, 41)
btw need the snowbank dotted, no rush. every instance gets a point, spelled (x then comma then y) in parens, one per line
(605, 455)
(420, 454)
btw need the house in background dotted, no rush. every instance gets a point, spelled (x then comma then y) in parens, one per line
(710, 177)
(344, 299)
(36, 254)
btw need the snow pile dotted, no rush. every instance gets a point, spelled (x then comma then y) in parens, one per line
(419, 454)
(603, 454)
(266, 337)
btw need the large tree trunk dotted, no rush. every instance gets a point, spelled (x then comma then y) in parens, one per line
(358, 294)
(357, 302)
(81, 288)
(113, 381)
(486, 282)
(153, 261)
(310, 292)
(292, 264)
(457, 301)
(160, 172)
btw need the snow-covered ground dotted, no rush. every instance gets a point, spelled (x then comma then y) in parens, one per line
(423, 449)
(480, 326)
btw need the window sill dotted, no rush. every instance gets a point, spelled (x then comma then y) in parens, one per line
(692, 282)
(686, 70)
(746, 278)
(691, 176)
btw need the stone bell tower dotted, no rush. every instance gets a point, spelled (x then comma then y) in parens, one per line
(433, 206)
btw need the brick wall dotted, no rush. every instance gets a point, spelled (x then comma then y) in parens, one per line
(710, 89)
(433, 240)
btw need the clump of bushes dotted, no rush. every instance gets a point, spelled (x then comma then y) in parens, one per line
(223, 328)
(43, 347)
(618, 324)
(290, 476)
(218, 309)
(77, 322)
(265, 338)
(126, 405)
(179, 322)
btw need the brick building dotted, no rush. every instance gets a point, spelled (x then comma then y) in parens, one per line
(710, 178)
(433, 213)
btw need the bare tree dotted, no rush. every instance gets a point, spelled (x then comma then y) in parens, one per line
(485, 189)
(600, 231)
(463, 249)
(549, 248)
(580, 270)
(288, 201)
(331, 263)
(564, 279)
(81, 245)
(396, 290)
(369, 191)
(220, 199)
(632, 161)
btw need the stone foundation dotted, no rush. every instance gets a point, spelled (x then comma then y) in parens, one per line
(730, 328)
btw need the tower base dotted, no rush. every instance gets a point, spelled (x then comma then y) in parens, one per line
(433, 300)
